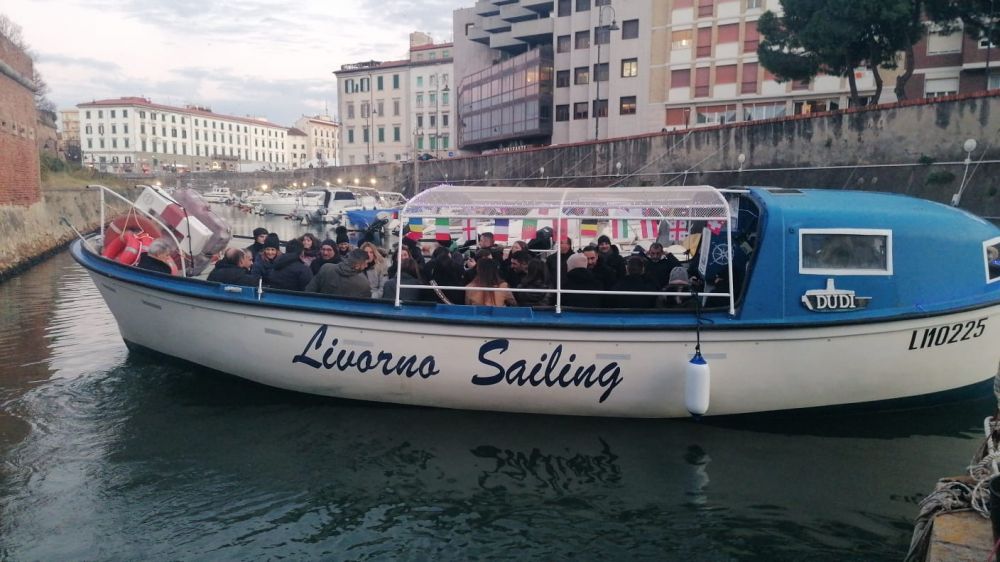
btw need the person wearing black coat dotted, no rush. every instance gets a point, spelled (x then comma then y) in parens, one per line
(259, 237)
(610, 256)
(634, 280)
(327, 254)
(289, 273)
(233, 269)
(579, 278)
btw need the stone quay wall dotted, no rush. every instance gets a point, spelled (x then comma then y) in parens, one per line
(29, 233)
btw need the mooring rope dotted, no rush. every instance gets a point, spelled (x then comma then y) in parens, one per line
(965, 493)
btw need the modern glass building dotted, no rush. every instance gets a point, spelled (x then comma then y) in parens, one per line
(507, 103)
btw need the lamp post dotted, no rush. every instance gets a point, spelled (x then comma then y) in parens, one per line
(969, 146)
(417, 133)
(597, 39)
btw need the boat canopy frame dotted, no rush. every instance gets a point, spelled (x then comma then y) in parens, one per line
(694, 202)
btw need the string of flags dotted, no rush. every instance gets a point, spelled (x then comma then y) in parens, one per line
(445, 229)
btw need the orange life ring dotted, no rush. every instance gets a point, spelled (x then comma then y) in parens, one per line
(135, 222)
(113, 245)
(130, 253)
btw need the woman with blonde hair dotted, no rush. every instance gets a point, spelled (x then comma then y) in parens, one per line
(488, 275)
(377, 270)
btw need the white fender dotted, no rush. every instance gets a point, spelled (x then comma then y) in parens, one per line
(698, 385)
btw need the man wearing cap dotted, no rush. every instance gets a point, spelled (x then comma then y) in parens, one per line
(344, 279)
(343, 242)
(259, 237)
(634, 281)
(579, 278)
(327, 254)
(610, 257)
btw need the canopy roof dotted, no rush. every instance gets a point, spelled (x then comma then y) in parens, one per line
(673, 202)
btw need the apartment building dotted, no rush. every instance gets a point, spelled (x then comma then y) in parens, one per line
(298, 148)
(322, 140)
(133, 134)
(706, 71)
(392, 110)
(69, 129)
(952, 64)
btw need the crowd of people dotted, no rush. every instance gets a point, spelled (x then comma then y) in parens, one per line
(479, 272)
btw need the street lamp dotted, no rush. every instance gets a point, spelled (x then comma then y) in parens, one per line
(969, 146)
(601, 30)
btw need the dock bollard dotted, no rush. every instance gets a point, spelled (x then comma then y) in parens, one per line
(995, 507)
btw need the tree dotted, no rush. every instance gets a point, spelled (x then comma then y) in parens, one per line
(836, 37)
(12, 32)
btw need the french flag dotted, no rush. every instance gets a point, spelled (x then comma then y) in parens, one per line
(500, 230)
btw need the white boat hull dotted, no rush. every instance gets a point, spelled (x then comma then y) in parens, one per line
(278, 207)
(625, 373)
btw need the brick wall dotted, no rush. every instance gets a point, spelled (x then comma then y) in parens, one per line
(19, 174)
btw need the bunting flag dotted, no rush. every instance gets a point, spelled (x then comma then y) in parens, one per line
(648, 228)
(715, 226)
(442, 229)
(678, 230)
(469, 229)
(416, 229)
(619, 229)
(500, 227)
(588, 228)
(560, 230)
(529, 229)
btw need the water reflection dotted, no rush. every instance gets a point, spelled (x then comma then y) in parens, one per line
(133, 456)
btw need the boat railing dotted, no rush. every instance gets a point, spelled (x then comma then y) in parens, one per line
(163, 227)
(570, 204)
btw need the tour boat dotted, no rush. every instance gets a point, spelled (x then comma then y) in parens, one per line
(839, 298)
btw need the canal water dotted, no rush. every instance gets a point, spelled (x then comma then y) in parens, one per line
(116, 456)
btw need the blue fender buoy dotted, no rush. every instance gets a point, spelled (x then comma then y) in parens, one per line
(697, 385)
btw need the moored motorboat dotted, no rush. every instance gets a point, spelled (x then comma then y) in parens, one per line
(836, 300)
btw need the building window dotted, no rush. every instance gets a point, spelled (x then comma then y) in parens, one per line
(582, 5)
(602, 35)
(100, 114)
(680, 39)
(763, 111)
(939, 87)
(583, 39)
(754, 4)
(716, 114)
(706, 8)
(630, 68)
(444, 120)
(601, 72)
(395, 133)
(395, 108)
(125, 115)
(420, 121)
(381, 134)
(701, 82)
(379, 84)
(704, 48)
(420, 100)
(626, 105)
(562, 112)
(749, 83)
(993, 82)
(725, 74)
(601, 108)
(350, 111)
(112, 113)
(580, 110)
(562, 78)
(581, 75)
(563, 44)
(680, 78)
(420, 81)
(630, 29)
(350, 136)
(751, 38)
(87, 114)
(445, 141)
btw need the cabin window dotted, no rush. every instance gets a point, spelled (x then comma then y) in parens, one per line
(991, 251)
(343, 196)
(845, 252)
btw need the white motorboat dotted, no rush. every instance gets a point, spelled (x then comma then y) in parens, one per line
(832, 304)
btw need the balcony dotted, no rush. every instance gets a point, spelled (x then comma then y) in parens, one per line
(479, 36)
(495, 25)
(541, 6)
(506, 41)
(487, 8)
(533, 31)
(514, 13)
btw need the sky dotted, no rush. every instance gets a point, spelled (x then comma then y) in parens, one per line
(262, 58)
